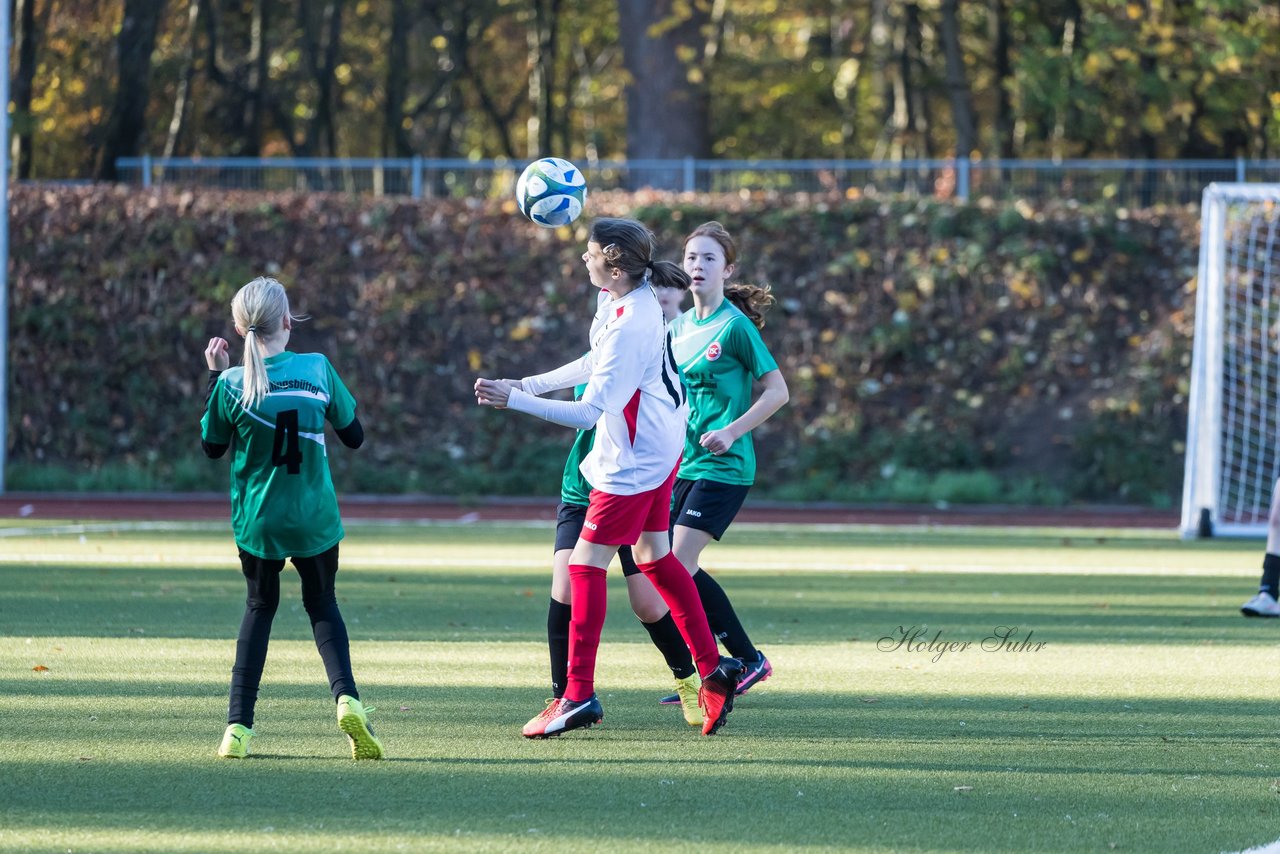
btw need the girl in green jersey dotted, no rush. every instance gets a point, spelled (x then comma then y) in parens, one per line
(721, 355)
(272, 410)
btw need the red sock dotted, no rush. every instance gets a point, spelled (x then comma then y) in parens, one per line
(677, 589)
(590, 601)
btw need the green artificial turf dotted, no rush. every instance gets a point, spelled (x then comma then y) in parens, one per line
(1129, 707)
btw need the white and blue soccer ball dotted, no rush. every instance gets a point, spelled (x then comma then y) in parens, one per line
(551, 192)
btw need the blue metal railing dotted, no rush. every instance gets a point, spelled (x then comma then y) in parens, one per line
(1121, 182)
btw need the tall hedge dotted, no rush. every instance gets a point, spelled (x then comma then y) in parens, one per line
(919, 338)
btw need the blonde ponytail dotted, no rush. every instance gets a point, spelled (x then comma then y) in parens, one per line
(259, 308)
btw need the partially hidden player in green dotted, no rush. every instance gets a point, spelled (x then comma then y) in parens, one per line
(646, 602)
(648, 606)
(635, 402)
(272, 411)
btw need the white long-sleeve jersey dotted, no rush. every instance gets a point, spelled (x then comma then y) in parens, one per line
(632, 379)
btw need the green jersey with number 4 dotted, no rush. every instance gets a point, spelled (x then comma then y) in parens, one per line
(282, 498)
(719, 357)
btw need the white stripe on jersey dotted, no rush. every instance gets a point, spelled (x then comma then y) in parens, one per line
(702, 330)
(708, 331)
(318, 438)
(296, 392)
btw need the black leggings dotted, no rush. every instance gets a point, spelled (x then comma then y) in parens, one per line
(317, 574)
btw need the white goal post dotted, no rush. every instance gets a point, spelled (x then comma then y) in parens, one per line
(1233, 423)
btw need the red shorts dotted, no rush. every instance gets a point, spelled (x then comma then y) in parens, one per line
(618, 520)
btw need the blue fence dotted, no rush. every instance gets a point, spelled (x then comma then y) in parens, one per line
(1138, 183)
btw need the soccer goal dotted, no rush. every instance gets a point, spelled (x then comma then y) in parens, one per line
(1233, 427)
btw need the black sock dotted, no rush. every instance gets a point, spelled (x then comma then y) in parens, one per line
(723, 620)
(558, 614)
(1271, 574)
(666, 637)
(251, 655)
(334, 646)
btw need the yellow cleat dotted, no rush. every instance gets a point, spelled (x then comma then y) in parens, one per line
(687, 691)
(235, 742)
(353, 719)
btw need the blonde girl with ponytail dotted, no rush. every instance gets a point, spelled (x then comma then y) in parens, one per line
(272, 409)
(261, 313)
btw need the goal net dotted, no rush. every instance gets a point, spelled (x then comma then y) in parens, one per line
(1233, 427)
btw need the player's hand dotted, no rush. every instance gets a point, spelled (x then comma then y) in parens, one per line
(493, 393)
(717, 441)
(218, 354)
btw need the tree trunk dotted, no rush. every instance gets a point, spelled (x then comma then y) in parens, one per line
(256, 82)
(850, 68)
(920, 113)
(1066, 100)
(322, 51)
(26, 37)
(883, 70)
(126, 125)
(183, 92)
(899, 80)
(583, 98)
(998, 21)
(668, 102)
(957, 81)
(395, 140)
(543, 43)
(459, 34)
(243, 81)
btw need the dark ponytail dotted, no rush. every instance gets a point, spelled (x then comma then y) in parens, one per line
(629, 246)
(751, 300)
(668, 274)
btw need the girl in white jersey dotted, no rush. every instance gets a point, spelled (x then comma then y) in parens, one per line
(636, 401)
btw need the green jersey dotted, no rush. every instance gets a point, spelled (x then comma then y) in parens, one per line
(282, 498)
(719, 357)
(574, 488)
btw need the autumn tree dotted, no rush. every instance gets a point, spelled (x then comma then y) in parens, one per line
(664, 44)
(95, 80)
(126, 124)
(26, 38)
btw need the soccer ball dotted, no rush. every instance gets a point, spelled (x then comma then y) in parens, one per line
(551, 192)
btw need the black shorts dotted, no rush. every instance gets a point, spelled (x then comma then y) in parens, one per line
(569, 519)
(317, 573)
(706, 505)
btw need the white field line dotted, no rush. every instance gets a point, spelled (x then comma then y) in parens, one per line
(109, 528)
(124, 527)
(1273, 848)
(354, 560)
(473, 519)
(158, 557)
